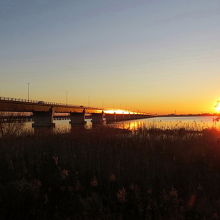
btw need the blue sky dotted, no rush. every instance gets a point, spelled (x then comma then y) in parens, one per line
(152, 55)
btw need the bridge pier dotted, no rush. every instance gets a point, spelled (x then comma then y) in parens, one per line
(43, 119)
(111, 118)
(77, 118)
(98, 118)
(120, 117)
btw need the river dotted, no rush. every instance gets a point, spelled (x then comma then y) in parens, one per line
(193, 123)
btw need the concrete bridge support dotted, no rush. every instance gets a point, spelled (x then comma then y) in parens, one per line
(98, 118)
(111, 118)
(120, 117)
(43, 119)
(77, 118)
(127, 117)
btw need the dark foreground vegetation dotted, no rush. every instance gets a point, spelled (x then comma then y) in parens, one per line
(108, 173)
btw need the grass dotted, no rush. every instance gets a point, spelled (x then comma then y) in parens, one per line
(109, 173)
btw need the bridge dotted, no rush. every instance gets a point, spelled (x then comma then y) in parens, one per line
(43, 113)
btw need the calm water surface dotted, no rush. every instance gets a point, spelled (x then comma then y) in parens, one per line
(193, 123)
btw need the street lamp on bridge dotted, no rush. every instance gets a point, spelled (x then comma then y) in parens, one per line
(28, 84)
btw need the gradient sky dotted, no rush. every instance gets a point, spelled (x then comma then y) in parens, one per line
(157, 56)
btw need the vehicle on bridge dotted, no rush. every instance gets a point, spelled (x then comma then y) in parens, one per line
(41, 102)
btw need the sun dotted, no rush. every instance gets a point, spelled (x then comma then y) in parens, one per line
(217, 106)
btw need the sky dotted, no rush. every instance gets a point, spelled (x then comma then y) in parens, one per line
(152, 56)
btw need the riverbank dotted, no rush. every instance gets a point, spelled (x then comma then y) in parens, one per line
(109, 173)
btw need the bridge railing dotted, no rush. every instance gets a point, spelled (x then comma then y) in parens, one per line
(41, 102)
(29, 101)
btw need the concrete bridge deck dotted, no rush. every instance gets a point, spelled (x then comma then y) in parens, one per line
(23, 105)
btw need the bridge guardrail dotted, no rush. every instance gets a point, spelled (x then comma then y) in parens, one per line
(29, 101)
(41, 102)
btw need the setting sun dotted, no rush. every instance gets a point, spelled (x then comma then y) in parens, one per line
(217, 106)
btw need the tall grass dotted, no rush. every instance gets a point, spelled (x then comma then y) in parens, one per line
(108, 173)
(11, 128)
